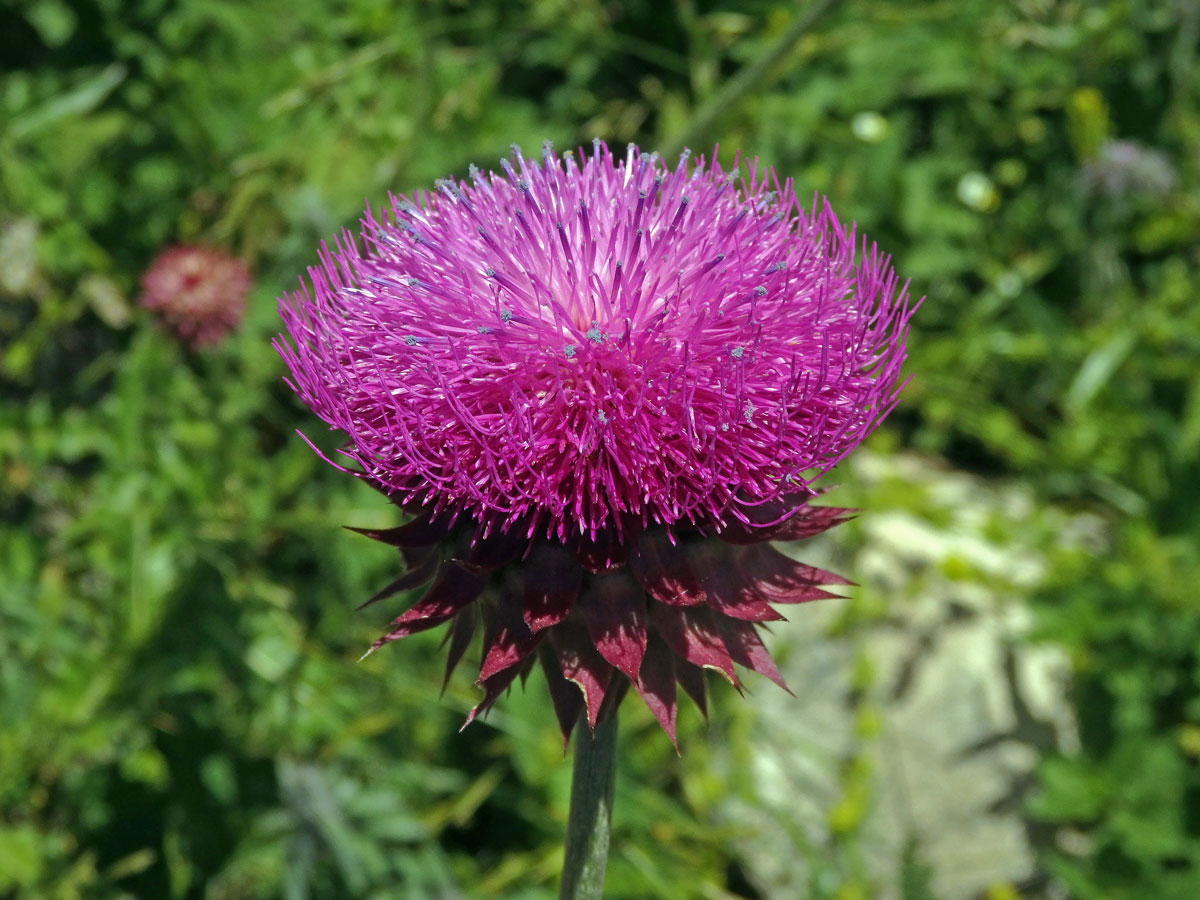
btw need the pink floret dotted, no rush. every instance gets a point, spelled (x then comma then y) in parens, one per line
(574, 346)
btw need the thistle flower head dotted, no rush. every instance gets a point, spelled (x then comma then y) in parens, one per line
(574, 371)
(575, 347)
(199, 293)
(1125, 169)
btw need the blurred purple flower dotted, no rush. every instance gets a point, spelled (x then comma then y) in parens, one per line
(199, 293)
(1123, 169)
(601, 388)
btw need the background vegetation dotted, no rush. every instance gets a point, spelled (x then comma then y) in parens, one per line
(181, 713)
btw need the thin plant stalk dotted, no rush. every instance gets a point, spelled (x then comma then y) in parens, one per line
(590, 821)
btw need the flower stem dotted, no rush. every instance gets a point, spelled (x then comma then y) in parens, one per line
(590, 819)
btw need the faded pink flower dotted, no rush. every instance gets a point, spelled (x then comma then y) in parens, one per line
(601, 387)
(199, 293)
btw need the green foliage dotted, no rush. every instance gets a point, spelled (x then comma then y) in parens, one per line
(181, 714)
(1133, 792)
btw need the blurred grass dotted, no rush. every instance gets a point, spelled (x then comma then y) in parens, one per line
(180, 710)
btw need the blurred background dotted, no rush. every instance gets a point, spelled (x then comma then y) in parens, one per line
(1007, 707)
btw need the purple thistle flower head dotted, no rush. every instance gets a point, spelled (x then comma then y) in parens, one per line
(579, 347)
(1122, 170)
(601, 387)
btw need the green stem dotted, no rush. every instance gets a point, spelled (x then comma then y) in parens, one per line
(590, 820)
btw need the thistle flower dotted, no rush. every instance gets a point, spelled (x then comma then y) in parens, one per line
(601, 388)
(199, 293)
(1125, 169)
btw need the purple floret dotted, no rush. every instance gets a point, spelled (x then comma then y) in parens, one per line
(579, 347)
